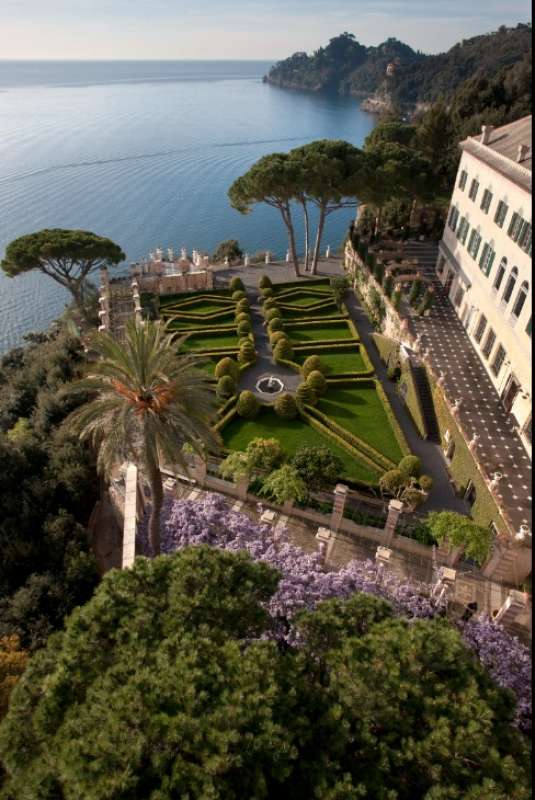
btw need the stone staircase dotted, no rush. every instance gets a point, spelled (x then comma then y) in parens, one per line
(426, 402)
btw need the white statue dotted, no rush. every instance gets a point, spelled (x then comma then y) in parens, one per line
(226, 261)
(183, 254)
(287, 256)
(159, 254)
(268, 254)
(328, 251)
(246, 260)
(170, 254)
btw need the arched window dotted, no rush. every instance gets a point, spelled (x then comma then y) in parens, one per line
(510, 285)
(501, 272)
(520, 299)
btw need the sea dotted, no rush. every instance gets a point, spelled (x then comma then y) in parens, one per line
(144, 152)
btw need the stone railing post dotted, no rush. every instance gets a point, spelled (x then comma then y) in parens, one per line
(395, 507)
(241, 485)
(340, 497)
(200, 470)
(130, 517)
(514, 606)
(325, 539)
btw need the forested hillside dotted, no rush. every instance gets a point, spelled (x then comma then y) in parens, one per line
(348, 67)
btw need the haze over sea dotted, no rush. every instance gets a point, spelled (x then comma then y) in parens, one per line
(144, 152)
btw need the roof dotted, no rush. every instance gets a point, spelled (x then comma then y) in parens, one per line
(501, 150)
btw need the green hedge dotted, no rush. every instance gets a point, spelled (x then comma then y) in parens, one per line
(227, 405)
(411, 398)
(400, 436)
(226, 418)
(385, 346)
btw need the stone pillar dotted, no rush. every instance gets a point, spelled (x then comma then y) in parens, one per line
(382, 559)
(200, 470)
(444, 584)
(395, 508)
(241, 487)
(515, 605)
(325, 539)
(287, 506)
(340, 497)
(130, 517)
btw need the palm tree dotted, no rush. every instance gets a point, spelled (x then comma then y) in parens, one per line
(146, 402)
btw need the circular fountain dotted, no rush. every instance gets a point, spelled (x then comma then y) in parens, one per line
(269, 384)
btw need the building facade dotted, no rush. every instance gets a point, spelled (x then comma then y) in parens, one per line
(484, 260)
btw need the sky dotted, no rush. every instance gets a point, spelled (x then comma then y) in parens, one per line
(236, 29)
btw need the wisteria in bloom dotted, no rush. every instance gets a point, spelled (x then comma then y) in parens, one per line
(305, 581)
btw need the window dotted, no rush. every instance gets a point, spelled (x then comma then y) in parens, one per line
(459, 294)
(480, 330)
(441, 264)
(510, 285)
(462, 179)
(499, 358)
(489, 343)
(470, 494)
(499, 275)
(474, 186)
(515, 226)
(473, 243)
(501, 213)
(524, 237)
(487, 259)
(462, 230)
(453, 217)
(528, 328)
(486, 201)
(520, 299)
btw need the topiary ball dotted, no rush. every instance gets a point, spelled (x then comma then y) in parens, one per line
(410, 466)
(270, 302)
(285, 406)
(236, 285)
(227, 366)
(275, 325)
(312, 364)
(273, 313)
(247, 352)
(226, 386)
(264, 282)
(243, 316)
(239, 294)
(244, 328)
(306, 395)
(276, 337)
(242, 305)
(283, 350)
(247, 405)
(267, 292)
(317, 381)
(392, 481)
(425, 482)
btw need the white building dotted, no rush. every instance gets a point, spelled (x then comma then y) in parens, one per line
(485, 259)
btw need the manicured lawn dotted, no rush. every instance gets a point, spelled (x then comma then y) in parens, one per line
(304, 300)
(337, 361)
(327, 311)
(179, 322)
(210, 341)
(311, 333)
(361, 412)
(292, 434)
(202, 307)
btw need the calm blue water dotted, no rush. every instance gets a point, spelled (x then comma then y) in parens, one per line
(144, 152)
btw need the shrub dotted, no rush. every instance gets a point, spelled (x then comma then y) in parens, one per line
(388, 285)
(277, 336)
(247, 352)
(312, 364)
(242, 316)
(264, 454)
(415, 290)
(318, 467)
(461, 531)
(267, 292)
(230, 249)
(236, 284)
(242, 305)
(285, 406)
(316, 380)
(410, 466)
(425, 483)
(392, 482)
(370, 260)
(394, 372)
(427, 300)
(283, 350)
(379, 271)
(269, 302)
(412, 498)
(226, 386)
(264, 282)
(376, 303)
(284, 484)
(275, 325)
(248, 405)
(235, 466)
(227, 366)
(396, 298)
(239, 294)
(244, 328)
(273, 313)
(306, 394)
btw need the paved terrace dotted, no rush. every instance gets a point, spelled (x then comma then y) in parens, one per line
(451, 351)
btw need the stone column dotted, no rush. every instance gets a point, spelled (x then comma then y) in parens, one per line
(340, 497)
(325, 539)
(515, 605)
(395, 508)
(130, 517)
(200, 470)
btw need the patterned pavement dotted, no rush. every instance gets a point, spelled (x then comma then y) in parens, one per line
(451, 351)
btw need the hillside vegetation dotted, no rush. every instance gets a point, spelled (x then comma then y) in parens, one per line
(348, 67)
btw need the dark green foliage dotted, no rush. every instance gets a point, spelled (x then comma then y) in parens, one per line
(392, 482)
(394, 372)
(238, 294)
(242, 305)
(267, 292)
(317, 381)
(283, 350)
(376, 304)
(371, 261)
(247, 352)
(318, 467)
(163, 687)
(312, 364)
(461, 531)
(236, 285)
(427, 300)
(243, 316)
(306, 394)
(244, 328)
(276, 337)
(410, 466)
(226, 386)
(269, 303)
(285, 406)
(416, 288)
(275, 325)
(396, 298)
(227, 366)
(425, 482)
(264, 282)
(273, 313)
(388, 285)
(379, 271)
(248, 405)
(229, 249)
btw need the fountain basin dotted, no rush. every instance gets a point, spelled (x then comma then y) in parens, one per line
(269, 384)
